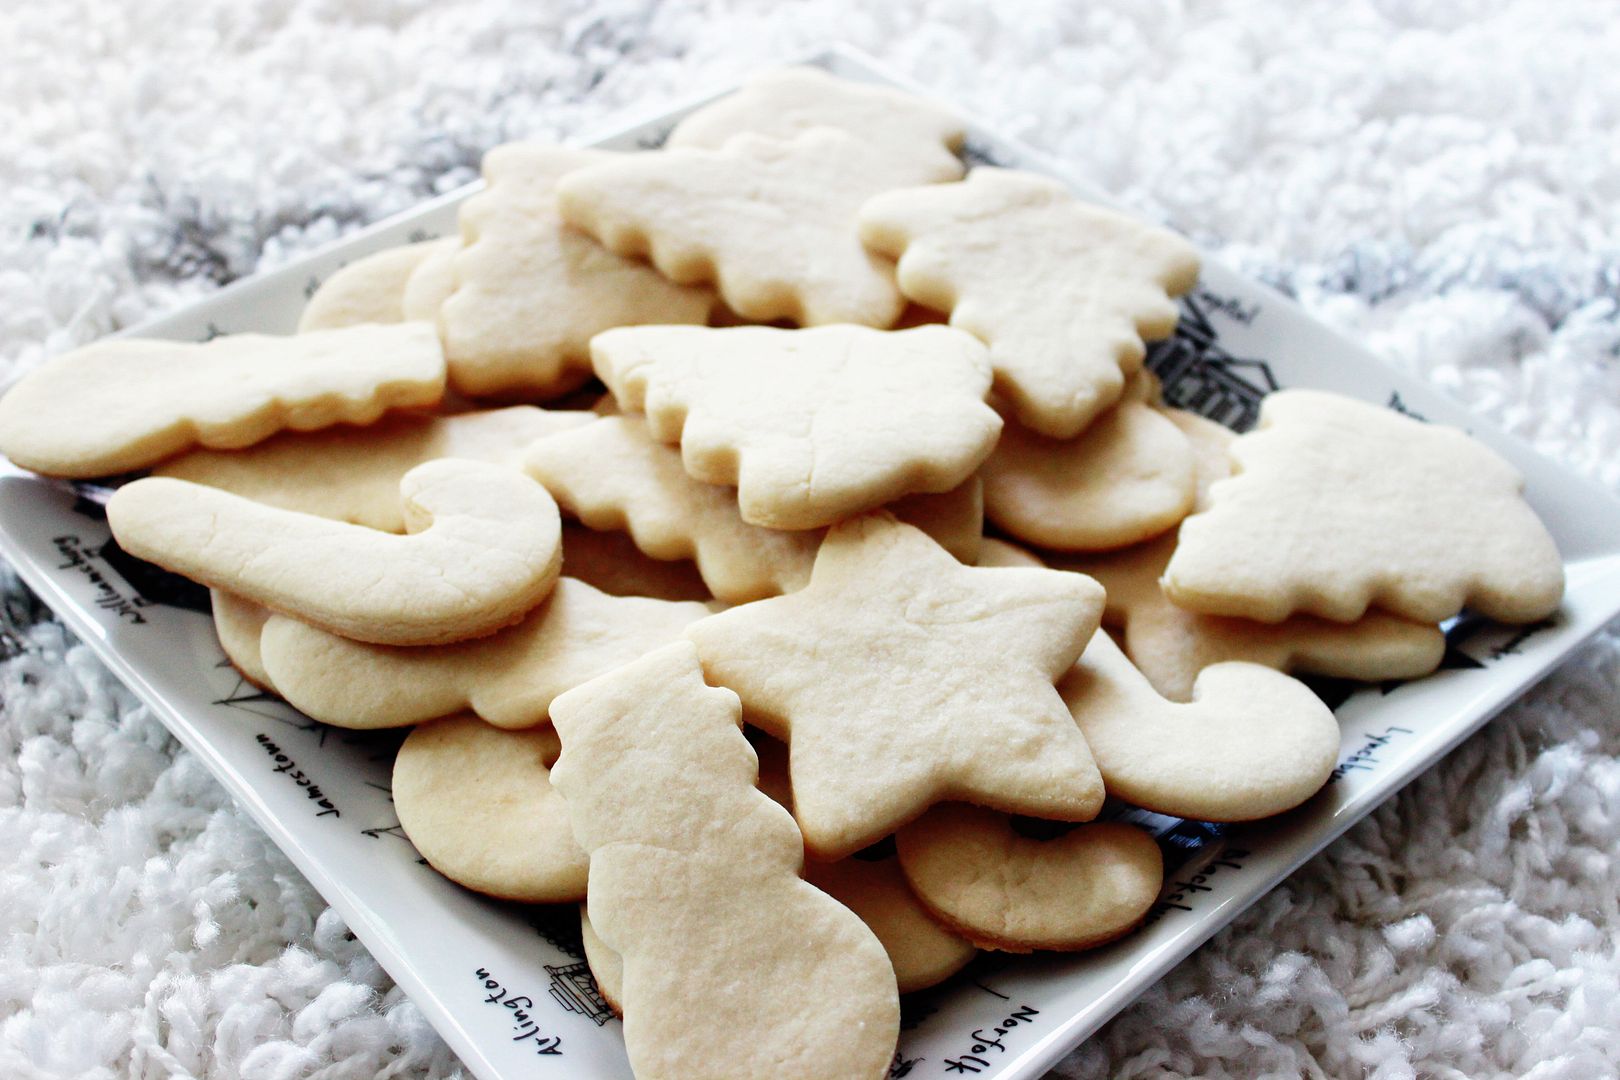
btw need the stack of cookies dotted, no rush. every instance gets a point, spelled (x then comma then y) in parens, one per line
(656, 503)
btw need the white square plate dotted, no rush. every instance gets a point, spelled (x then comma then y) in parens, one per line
(506, 985)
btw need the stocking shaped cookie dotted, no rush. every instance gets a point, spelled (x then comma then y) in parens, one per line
(900, 678)
(478, 804)
(1015, 893)
(116, 406)
(483, 549)
(771, 221)
(913, 133)
(1127, 477)
(1252, 742)
(1063, 292)
(353, 474)
(694, 883)
(1339, 505)
(508, 678)
(812, 426)
(530, 292)
(614, 475)
(370, 289)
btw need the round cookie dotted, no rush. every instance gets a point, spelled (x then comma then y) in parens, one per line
(478, 804)
(370, 289)
(607, 966)
(238, 624)
(1015, 893)
(923, 951)
(1129, 476)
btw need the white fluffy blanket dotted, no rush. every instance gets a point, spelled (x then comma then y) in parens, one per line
(1439, 179)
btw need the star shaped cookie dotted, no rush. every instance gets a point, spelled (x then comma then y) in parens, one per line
(901, 678)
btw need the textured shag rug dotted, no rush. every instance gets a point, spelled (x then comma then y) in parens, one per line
(1439, 179)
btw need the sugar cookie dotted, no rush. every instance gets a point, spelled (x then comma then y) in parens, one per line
(787, 101)
(610, 561)
(530, 293)
(1128, 477)
(607, 967)
(1252, 743)
(369, 290)
(431, 284)
(484, 548)
(900, 678)
(1339, 505)
(115, 406)
(1000, 553)
(923, 951)
(1171, 645)
(771, 221)
(238, 624)
(613, 475)
(507, 678)
(812, 426)
(353, 474)
(1063, 292)
(954, 519)
(1015, 893)
(478, 804)
(694, 884)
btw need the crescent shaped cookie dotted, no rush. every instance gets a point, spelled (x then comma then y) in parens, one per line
(508, 678)
(1339, 505)
(812, 426)
(974, 872)
(370, 289)
(694, 883)
(900, 678)
(483, 549)
(531, 292)
(353, 474)
(770, 221)
(1065, 293)
(478, 804)
(1250, 744)
(116, 406)
(914, 133)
